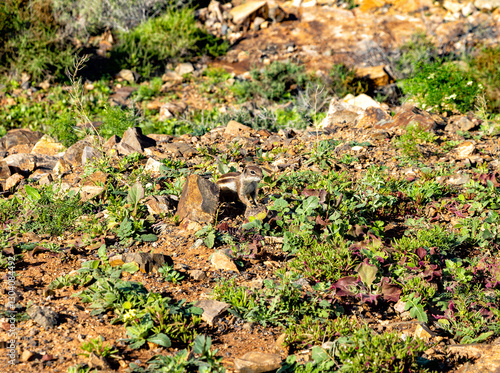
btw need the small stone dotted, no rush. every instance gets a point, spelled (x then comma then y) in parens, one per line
(422, 331)
(13, 181)
(164, 114)
(223, 262)
(465, 149)
(152, 166)
(127, 75)
(43, 316)
(184, 68)
(257, 362)
(198, 275)
(212, 310)
(26, 355)
(88, 192)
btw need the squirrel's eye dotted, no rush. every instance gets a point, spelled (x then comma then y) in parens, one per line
(252, 172)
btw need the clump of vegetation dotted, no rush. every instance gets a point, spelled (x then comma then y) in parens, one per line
(487, 71)
(171, 37)
(443, 87)
(410, 140)
(418, 51)
(30, 41)
(96, 16)
(345, 81)
(277, 82)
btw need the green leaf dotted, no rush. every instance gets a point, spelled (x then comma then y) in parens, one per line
(130, 267)
(149, 237)
(135, 194)
(319, 354)
(32, 194)
(201, 344)
(161, 340)
(210, 240)
(308, 206)
(367, 273)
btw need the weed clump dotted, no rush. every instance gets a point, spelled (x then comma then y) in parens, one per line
(444, 87)
(172, 36)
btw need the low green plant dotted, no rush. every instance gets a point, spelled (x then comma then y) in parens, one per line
(363, 351)
(276, 82)
(345, 81)
(418, 51)
(171, 37)
(410, 140)
(170, 274)
(201, 358)
(442, 86)
(38, 50)
(97, 347)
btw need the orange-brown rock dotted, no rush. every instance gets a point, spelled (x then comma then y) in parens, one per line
(199, 200)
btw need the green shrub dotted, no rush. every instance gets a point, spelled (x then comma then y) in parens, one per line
(419, 50)
(487, 70)
(443, 87)
(82, 19)
(171, 37)
(276, 82)
(30, 41)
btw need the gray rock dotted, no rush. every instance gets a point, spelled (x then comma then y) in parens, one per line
(26, 163)
(184, 68)
(43, 316)
(4, 170)
(89, 154)
(212, 309)
(73, 154)
(257, 362)
(145, 261)
(199, 200)
(180, 149)
(198, 275)
(134, 141)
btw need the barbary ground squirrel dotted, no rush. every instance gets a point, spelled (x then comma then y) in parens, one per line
(242, 186)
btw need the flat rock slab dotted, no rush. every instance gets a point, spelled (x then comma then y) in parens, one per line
(212, 309)
(257, 362)
(43, 316)
(488, 357)
(19, 136)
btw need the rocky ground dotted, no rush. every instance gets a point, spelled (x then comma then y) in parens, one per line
(136, 214)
